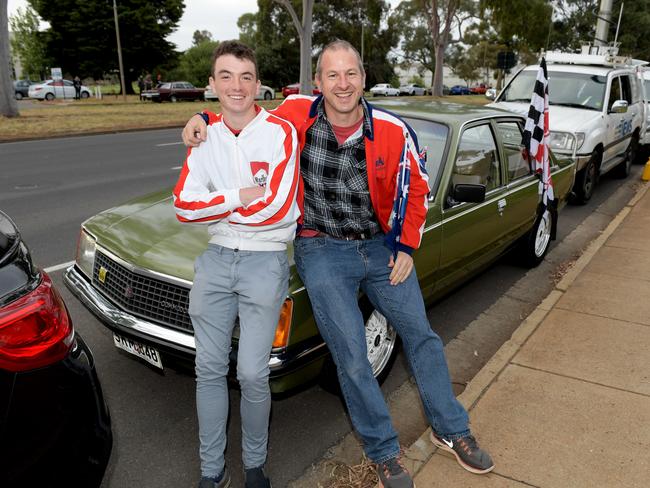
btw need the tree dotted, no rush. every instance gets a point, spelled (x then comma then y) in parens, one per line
(201, 36)
(416, 45)
(304, 29)
(27, 43)
(8, 105)
(366, 25)
(81, 37)
(463, 64)
(195, 64)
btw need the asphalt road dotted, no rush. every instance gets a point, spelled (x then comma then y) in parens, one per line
(50, 187)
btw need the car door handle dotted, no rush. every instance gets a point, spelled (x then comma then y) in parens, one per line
(501, 204)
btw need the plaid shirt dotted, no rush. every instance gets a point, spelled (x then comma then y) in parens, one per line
(337, 197)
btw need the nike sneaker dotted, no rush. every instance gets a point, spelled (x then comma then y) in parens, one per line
(393, 474)
(468, 454)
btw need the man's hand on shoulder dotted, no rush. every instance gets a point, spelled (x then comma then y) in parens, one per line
(402, 267)
(195, 131)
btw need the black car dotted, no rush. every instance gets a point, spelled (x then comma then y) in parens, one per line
(21, 88)
(55, 428)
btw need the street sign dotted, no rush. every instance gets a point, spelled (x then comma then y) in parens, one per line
(57, 75)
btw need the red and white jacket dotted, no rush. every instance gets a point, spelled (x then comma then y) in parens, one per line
(391, 153)
(264, 153)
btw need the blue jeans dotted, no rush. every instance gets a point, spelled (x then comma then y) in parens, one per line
(251, 285)
(333, 272)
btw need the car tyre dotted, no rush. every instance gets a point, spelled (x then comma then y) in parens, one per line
(622, 171)
(267, 95)
(173, 99)
(19, 96)
(586, 180)
(49, 97)
(382, 344)
(84, 95)
(536, 242)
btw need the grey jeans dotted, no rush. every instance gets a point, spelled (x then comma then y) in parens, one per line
(251, 285)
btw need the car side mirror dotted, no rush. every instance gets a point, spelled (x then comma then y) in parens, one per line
(619, 107)
(490, 95)
(464, 192)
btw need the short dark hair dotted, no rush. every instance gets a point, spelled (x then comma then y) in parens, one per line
(237, 49)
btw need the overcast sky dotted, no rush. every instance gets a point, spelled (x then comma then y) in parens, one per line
(217, 16)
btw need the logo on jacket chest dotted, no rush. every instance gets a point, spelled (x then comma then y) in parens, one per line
(260, 170)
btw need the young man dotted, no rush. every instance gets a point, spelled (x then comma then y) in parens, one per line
(365, 204)
(243, 184)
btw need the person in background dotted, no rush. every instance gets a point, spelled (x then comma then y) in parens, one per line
(76, 82)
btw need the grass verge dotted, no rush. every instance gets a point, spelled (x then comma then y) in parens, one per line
(39, 120)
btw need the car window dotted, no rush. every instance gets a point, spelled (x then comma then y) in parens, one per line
(432, 136)
(614, 93)
(646, 84)
(569, 89)
(626, 89)
(166, 86)
(511, 135)
(476, 160)
(67, 82)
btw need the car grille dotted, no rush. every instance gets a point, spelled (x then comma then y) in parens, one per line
(147, 297)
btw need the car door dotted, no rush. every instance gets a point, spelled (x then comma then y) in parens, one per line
(473, 233)
(522, 184)
(617, 124)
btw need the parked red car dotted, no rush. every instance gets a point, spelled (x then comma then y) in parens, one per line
(294, 89)
(173, 92)
(479, 89)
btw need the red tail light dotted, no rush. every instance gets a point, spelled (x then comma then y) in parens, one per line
(35, 330)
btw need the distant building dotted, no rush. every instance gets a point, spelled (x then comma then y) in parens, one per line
(448, 77)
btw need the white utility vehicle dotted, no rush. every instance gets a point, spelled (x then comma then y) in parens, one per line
(596, 110)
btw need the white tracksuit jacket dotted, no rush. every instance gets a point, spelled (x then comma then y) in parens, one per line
(264, 153)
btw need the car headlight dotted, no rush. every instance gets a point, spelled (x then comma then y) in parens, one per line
(580, 138)
(562, 141)
(86, 253)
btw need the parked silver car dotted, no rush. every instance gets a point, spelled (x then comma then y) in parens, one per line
(384, 89)
(412, 89)
(49, 90)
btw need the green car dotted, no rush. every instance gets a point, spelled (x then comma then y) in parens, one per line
(135, 262)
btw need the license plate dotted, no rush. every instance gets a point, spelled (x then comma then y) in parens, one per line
(143, 351)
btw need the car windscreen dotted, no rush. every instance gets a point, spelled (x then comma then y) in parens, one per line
(580, 90)
(432, 136)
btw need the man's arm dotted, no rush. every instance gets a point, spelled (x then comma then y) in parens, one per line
(194, 201)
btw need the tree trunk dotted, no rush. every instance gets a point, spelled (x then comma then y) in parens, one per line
(304, 29)
(8, 104)
(305, 48)
(437, 74)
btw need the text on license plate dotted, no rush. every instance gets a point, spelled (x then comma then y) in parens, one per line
(143, 351)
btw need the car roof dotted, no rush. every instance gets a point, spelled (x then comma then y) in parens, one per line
(446, 112)
(579, 68)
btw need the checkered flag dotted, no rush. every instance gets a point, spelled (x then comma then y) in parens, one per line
(536, 143)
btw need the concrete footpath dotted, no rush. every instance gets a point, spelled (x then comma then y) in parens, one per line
(566, 401)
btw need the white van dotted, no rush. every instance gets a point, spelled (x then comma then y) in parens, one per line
(596, 110)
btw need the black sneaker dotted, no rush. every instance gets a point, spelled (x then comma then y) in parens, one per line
(221, 481)
(393, 474)
(256, 478)
(468, 454)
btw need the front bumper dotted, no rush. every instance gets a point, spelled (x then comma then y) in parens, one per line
(282, 362)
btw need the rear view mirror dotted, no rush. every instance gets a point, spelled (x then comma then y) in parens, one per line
(464, 192)
(619, 107)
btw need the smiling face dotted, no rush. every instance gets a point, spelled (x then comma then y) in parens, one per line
(341, 81)
(235, 83)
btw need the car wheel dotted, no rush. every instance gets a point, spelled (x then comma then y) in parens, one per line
(586, 179)
(19, 96)
(84, 95)
(382, 345)
(535, 244)
(173, 99)
(622, 170)
(49, 97)
(267, 95)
